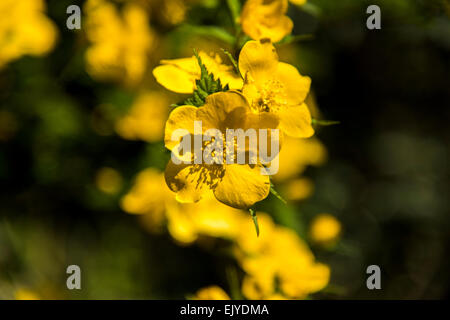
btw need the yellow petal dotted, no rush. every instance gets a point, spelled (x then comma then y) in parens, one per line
(242, 186)
(190, 182)
(259, 60)
(223, 110)
(180, 118)
(295, 121)
(211, 293)
(266, 19)
(295, 85)
(178, 75)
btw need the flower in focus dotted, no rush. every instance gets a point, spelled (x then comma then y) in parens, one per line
(211, 293)
(237, 185)
(325, 229)
(261, 19)
(24, 29)
(146, 119)
(275, 87)
(121, 42)
(179, 75)
(279, 264)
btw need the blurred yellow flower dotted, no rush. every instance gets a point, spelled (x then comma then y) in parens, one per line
(146, 118)
(169, 12)
(188, 221)
(151, 198)
(298, 189)
(237, 185)
(211, 293)
(262, 19)
(325, 229)
(296, 155)
(275, 87)
(108, 180)
(278, 263)
(179, 75)
(24, 29)
(25, 294)
(121, 42)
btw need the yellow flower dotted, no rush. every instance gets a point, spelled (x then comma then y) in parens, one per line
(325, 229)
(146, 119)
(149, 196)
(278, 263)
(120, 42)
(156, 204)
(211, 293)
(262, 19)
(237, 185)
(108, 180)
(169, 12)
(299, 189)
(189, 221)
(275, 87)
(179, 75)
(24, 29)
(296, 155)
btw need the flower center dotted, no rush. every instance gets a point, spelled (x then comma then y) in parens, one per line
(272, 96)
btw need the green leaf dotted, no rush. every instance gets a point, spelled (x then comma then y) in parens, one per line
(233, 61)
(293, 39)
(255, 220)
(206, 85)
(209, 32)
(235, 10)
(276, 194)
(324, 122)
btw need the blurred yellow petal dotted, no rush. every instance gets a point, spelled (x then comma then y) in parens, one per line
(266, 19)
(146, 118)
(299, 189)
(324, 229)
(211, 293)
(297, 154)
